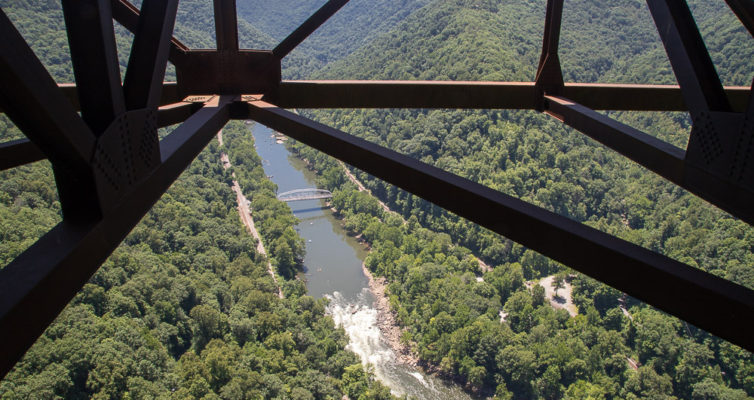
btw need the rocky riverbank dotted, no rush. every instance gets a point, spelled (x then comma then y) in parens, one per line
(386, 320)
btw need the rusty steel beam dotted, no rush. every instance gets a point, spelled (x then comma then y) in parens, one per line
(226, 25)
(142, 85)
(19, 152)
(94, 56)
(32, 100)
(654, 154)
(688, 56)
(176, 113)
(430, 94)
(219, 72)
(485, 95)
(39, 283)
(403, 94)
(447, 94)
(705, 300)
(127, 15)
(308, 27)
(744, 10)
(632, 97)
(168, 95)
(549, 74)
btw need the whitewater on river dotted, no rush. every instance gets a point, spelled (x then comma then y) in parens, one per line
(333, 269)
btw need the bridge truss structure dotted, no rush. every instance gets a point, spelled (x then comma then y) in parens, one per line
(110, 166)
(304, 194)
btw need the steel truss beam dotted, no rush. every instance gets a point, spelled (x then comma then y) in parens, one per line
(307, 28)
(89, 24)
(32, 100)
(549, 74)
(660, 157)
(480, 95)
(744, 10)
(18, 152)
(39, 283)
(226, 25)
(149, 54)
(127, 15)
(707, 301)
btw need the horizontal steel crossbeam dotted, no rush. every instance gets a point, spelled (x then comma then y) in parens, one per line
(480, 95)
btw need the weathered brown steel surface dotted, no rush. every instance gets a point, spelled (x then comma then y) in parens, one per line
(39, 283)
(480, 95)
(226, 25)
(549, 74)
(142, 85)
(127, 15)
(18, 152)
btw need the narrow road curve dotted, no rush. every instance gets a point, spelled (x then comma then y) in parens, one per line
(245, 213)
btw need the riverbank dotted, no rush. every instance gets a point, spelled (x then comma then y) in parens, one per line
(386, 320)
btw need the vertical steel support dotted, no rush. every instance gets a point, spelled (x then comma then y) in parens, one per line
(226, 25)
(94, 56)
(149, 54)
(128, 15)
(549, 78)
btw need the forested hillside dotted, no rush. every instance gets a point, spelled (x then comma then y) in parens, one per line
(185, 307)
(355, 25)
(604, 352)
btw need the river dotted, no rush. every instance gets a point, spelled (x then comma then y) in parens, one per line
(332, 269)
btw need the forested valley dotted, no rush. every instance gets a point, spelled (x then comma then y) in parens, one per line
(616, 347)
(186, 309)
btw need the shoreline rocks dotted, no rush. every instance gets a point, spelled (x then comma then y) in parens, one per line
(386, 320)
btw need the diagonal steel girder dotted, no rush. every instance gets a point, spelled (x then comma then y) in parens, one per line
(660, 157)
(712, 303)
(142, 85)
(91, 38)
(128, 15)
(39, 283)
(307, 28)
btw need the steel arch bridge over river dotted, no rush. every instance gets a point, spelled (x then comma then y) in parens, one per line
(305, 194)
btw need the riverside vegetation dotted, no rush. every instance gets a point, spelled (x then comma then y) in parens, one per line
(452, 319)
(184, 308)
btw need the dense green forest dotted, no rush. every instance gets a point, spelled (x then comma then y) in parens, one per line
(186, 309)
(451, 319)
